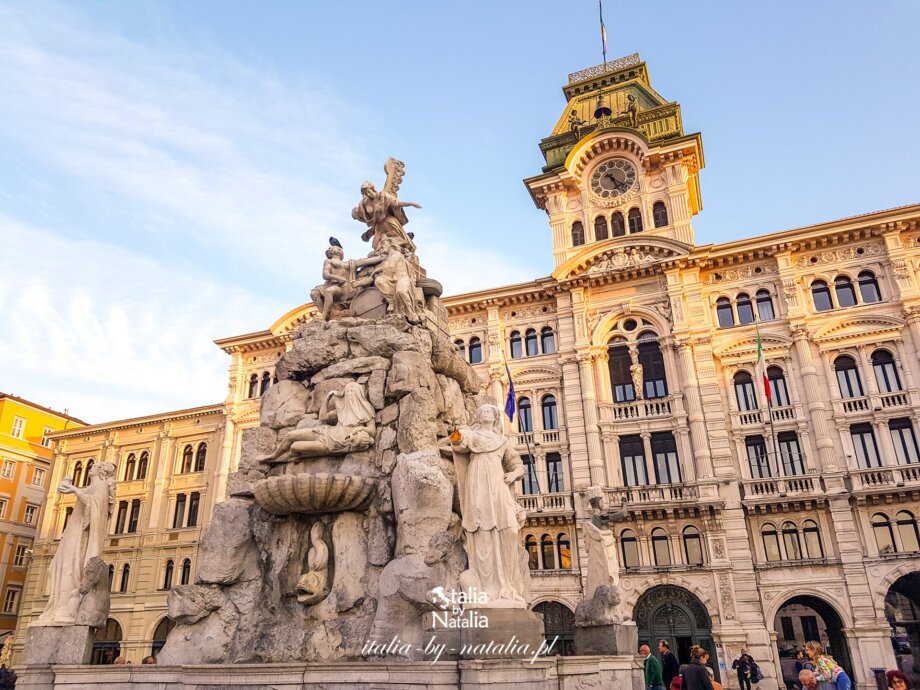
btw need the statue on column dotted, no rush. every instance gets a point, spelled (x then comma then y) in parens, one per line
(82, 541)
(382, 211)
(635, 371)
(487, 468)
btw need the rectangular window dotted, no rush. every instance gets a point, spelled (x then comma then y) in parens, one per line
(554, 473)
(179, 515)
(19, 427)
(788, 628)
(810, 627)
(779, 395)
(758, 460)
(905, 441)
(46, 442)
(30, 514)
(864, 444)
(194, 503)
(529, 483)
(19, 560)
(632, 456)
(9, 467)
(745, 394)
(11, 601)
(121, 517)
(790, 454)
(38, 477)
(135, 516)
(667, 466)
(2, 507)
(618, 365)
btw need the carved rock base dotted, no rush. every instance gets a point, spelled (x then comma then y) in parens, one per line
(71, 644)
(511, 633)
(607, 640)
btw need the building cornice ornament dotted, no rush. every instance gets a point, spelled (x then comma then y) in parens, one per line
(742, 273)
(835, 256)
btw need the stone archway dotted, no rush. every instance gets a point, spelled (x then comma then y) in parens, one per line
(806, 617)
(107, 643)
(674, 614)
(558, 621)
(902, 609)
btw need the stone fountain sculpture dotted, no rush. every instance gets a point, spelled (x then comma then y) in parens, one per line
(344, 514)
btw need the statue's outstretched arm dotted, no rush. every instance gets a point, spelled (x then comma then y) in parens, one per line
(404, 204)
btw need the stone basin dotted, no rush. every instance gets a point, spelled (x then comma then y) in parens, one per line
(314, 493)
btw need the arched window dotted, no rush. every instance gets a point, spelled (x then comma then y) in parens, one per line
(848, 377)
(635, 220)
(724, 312)
(565, 551)
(164, 627)
(660, 214)
(168, 575)
(886, 373)
(905, 441)
(618, 225)
(660, 547)
(770, 542)
(515, 342)
(765, 306)
(548, 552)
(868, 287)
(745, 309)
(201, 457)
(533, 558)
(475, 350)
(266, 382)
(791, 542)
(550, 420)
(461, 348)
(106, 643)
(654, 377)
(142, 465)
(77, 473)
(187, 456)
(194, 503)
(600, 228)
(884, 535)
(821, 296)
(253, 385)
(135, 516)
(86, 477)
(629, 545)
(186, 571)
(578, 234)
(907, 531)
(693, 546)
(618, 364)
(130, 464)
(779, 395)
(530, 342)
(547, 340)
(744, 392)
(812, 538)
(125, 574)
(843, 288)
(525, 415)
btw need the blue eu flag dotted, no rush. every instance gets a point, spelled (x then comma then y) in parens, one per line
(509, 402)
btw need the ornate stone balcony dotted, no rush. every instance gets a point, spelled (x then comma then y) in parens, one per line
(780, 487)
(868, 403)
(547, 504)
(632, 410)
(778, 414)
(880, 478)
(546, 437)
(654, 493)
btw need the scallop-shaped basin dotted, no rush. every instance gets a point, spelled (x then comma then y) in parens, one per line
(313, 493)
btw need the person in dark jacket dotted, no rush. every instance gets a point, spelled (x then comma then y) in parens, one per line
(670, 666)
(743, 665)
(695, 674)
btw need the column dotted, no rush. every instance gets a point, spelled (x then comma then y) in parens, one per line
(163, 455)
(885, 444)
(815, 401)
(589, 403)
(698, 436)
(649, 458)
(869, 373)
(612, 453)
(902, 363)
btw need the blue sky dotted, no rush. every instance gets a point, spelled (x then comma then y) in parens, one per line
(170, 171)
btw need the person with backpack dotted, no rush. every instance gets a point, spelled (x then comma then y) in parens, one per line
(743, 665)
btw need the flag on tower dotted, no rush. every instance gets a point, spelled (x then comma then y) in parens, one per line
(603, 31)
(762, 368)
(509, 401)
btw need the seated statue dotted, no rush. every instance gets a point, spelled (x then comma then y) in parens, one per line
(342, 281)
(353, 430)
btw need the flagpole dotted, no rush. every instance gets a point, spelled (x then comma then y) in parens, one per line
(762, 366)
(600, 8)
(530, 454)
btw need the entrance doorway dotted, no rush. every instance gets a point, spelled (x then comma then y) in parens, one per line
(902, 609)
(674, 614)
(558, 621)
(802, 619)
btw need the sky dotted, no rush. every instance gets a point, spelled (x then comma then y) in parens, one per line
(170, 171)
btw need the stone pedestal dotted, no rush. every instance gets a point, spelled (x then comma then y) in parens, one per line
(45, 646)
(607, 640)
(509, 634)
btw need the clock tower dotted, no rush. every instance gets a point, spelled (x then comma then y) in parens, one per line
(619, 169)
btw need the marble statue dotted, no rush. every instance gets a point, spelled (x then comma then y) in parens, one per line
(395, 280)
(632, 110)
(575, 123)
(313, 585)
(487, 468)
(353, 429)
(635, 371)
(600, 605)
(382, 211)
(82, 540)
(342, 281)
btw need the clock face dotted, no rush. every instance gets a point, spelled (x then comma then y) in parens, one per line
(613, 178)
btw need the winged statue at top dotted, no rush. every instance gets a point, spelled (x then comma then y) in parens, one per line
(382, 211)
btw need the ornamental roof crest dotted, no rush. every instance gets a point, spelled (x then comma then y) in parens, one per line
(617, 256)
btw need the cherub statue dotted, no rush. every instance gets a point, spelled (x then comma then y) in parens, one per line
(632, 110)
(382, 211)
(342, 281)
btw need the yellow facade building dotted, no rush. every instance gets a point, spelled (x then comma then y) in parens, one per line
(768, 500)
(25, 472)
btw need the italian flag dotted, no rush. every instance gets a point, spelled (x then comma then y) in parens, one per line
(762, 369)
